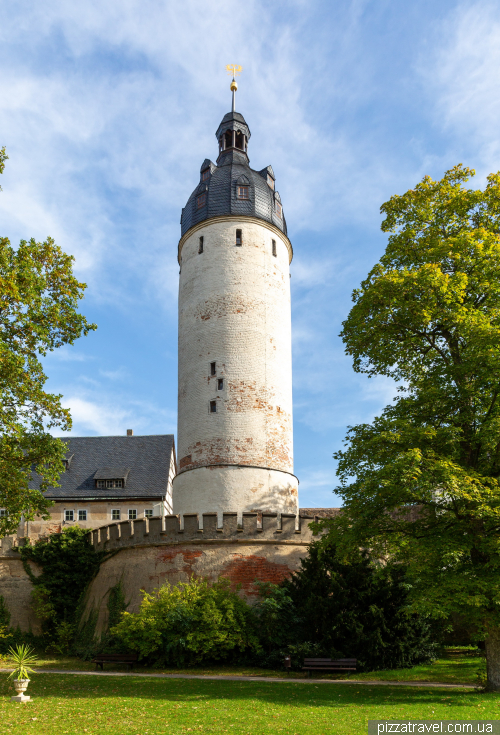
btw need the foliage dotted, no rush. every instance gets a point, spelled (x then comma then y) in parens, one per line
(39, 296)
(68, 564)
(421, 483)
(189, 623)
(116, 604)
(23, 657)
(3, 158)
(4, 614)
(356, 610)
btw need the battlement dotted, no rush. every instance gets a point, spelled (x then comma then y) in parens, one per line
(278, 528)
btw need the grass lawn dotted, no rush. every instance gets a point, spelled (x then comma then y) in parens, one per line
(455, 670)
(67, 705)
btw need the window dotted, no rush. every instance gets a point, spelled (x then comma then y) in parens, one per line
(82, 515)
(229, 138)
(278, 209)
(213, 368)
(238, 237)
(3, 513)
(239, 140)
(242, 192)
(270, 181)
(115, 514)
(148, 513)
(200, 201)
(101, 484)
(200, 245)
(69, 515)
(205, 175)
(274, 248)
(213, 406)
(220, 384)
(132, 514)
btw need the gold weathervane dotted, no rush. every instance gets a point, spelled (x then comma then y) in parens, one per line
(233, 70)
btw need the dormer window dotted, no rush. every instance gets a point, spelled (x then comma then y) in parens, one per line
(106, 484)
(205, 175)
(201, 200)
(242, 192)
(270, 182)
(279, 209)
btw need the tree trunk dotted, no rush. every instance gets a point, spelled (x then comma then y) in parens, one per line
(493, 658)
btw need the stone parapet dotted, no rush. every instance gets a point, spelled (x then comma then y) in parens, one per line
(276, 528)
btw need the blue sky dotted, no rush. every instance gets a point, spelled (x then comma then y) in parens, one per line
(108, 109)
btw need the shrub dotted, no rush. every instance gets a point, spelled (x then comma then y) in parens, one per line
(189, 623)
(356, 610)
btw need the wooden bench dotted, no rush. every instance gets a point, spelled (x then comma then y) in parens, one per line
(115, 658)
(329, 664)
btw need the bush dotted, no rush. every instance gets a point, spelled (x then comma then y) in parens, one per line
(337, 610)
(189, 623)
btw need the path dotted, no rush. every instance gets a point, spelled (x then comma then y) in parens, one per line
(267, 679)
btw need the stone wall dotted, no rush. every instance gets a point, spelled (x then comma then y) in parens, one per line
(234, 311)
(264, 547)
(15, 587)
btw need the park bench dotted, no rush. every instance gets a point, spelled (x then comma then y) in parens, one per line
(115, 658)
(329, 664)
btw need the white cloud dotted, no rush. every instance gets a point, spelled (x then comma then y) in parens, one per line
(461, 75)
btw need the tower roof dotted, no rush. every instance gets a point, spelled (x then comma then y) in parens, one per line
(218, 191)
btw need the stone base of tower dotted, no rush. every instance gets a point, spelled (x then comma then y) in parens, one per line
(240, 489)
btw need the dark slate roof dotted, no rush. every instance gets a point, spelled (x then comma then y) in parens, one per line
(146, 458)
(220, 188)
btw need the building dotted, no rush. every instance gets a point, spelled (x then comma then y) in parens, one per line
(235, 440)
(109, 479)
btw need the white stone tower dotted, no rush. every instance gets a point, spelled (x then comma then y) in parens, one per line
(235, 441)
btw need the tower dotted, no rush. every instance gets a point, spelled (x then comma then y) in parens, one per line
(235, 436)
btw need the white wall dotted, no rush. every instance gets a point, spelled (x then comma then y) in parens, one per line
(234, 309)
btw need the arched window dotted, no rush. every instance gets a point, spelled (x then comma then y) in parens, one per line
(239, 140)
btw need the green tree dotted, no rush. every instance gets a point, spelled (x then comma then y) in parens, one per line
(421, 483)
(39, 296)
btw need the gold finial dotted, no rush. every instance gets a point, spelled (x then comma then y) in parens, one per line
(233, 70)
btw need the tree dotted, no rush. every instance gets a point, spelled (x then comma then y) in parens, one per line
(38, 313)
(357, 609)
(421, 483)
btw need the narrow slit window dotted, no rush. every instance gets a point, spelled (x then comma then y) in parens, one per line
(238, 237)
(274, 249)
(213, 406)
(69, 515)
(82, 515)
(200, 201)
(115, 514)
(200, 245)
(132, 514)
(220, 384)
(213, 368)
(242, 192)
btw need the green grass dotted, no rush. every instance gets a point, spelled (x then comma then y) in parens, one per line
(459, 669)
(78, 704)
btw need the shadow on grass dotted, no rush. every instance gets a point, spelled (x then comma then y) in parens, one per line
(68, 687)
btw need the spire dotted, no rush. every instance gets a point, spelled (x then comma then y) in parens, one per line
(233, 69)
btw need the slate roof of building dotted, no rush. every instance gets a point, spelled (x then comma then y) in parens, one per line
(146, 457)
(220, 188)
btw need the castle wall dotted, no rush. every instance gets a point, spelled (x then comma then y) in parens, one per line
(15, 588)
(264, 547)
(234, 310)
